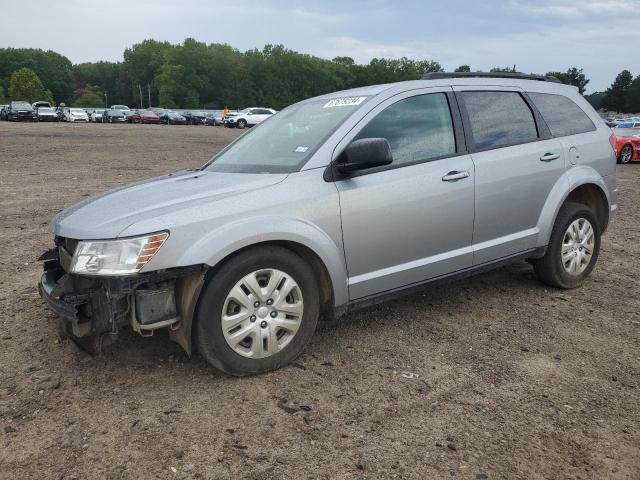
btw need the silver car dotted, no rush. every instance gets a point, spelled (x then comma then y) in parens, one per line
(335, 203)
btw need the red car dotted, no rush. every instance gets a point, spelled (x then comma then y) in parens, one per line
(145, 116)
(626, 143)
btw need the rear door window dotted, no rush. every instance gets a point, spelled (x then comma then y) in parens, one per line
(499, 119)
(561, 114)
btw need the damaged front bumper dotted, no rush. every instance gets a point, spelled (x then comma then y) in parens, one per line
(91, 306)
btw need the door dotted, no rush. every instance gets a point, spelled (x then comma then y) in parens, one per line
(517, 164)
(259, 115)
(412, 220)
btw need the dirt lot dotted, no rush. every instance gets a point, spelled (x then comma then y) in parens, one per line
(515, 380)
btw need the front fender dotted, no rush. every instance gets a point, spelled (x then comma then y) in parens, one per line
(569, 181)
(218, 244)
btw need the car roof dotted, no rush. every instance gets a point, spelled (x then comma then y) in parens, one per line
(528, 84)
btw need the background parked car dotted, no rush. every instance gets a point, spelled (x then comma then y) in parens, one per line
(172, 118)
(214, 119)
(131, 116)
(113, 116)
(96, 116)
(74, 115)
(119, 107)
(147, 116)
(626, 144)
(20, 111)
(39, 104)
(61, 112)
(628, 125)
(248, 117)
(194, 117)
(46, 114)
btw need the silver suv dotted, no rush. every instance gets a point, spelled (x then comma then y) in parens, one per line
(338, 202)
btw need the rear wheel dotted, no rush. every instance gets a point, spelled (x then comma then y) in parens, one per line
(573, 248)
(258, 312)
(626, 154)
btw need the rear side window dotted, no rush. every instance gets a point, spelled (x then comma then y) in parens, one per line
(418, 129)
(499, 119)
(561, 114)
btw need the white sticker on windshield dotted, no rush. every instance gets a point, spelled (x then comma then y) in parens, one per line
(344, 102)
(301, 149)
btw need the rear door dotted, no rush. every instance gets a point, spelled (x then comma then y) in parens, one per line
(517, 164)
(412, 220)
(581, 140)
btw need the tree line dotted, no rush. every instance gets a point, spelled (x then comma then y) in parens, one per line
(194, 74)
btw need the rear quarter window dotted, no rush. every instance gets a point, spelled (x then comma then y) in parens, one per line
(499, 119)
(562, 115)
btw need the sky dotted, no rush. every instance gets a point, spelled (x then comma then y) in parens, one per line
(537, 36)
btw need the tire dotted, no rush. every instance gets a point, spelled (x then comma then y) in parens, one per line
(216, 295)
(551, 269)
(242, 123)
(626, 154)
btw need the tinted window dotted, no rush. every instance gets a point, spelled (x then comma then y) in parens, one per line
(417, 128)
(561, 114)
(499, 119)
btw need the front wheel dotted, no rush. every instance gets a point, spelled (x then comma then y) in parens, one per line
(626, 154)
(242, 124)
(573, 248)
(258, 312)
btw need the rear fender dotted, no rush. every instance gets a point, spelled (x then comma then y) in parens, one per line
(568, 182)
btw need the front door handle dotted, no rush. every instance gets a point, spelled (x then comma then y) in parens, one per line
(455, 176)
(547, 157)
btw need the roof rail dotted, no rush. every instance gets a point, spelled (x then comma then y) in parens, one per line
(518, 76)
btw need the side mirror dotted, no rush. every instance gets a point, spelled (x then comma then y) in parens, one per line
(365, 153)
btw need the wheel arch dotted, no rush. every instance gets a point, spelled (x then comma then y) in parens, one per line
(581, 184)
(302, 238)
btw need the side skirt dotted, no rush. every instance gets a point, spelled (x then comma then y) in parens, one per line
(450, 277)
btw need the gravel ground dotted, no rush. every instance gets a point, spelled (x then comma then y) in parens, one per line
(509, 379)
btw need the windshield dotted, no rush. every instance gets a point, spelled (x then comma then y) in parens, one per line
(21, 104)
(45, 109)
(629, 132)
(284, 142)
(78, 111)
(175, 115)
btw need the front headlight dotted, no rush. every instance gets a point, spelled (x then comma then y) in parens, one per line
(116, 257)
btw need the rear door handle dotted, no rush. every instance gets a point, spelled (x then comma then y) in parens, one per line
(455, 176)
(547, 157)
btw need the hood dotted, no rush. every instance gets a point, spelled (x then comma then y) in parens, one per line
(107, 215)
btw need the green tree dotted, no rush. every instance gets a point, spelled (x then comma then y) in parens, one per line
(3, 99)
(88, 100)
(616, 96)
(633, 96)
(595, 99)
(463, 68)
(54, 69)
(503, 70)
(573, 76)
(24, 84)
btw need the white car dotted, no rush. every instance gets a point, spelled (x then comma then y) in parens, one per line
(96, 116)
(76, 115)
(122, 108)
(248, 117)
